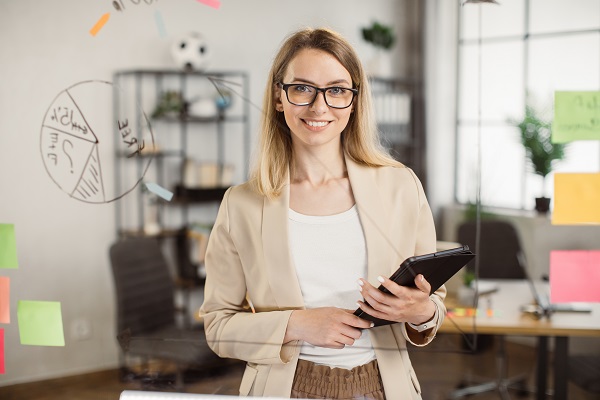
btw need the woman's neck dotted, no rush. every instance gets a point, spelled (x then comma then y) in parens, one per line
(318, 167)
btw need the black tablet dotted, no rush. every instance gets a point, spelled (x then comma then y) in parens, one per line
(437, 268)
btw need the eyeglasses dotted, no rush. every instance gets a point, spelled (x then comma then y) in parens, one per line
(304, 95)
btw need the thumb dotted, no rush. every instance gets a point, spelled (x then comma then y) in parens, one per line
(422, 284)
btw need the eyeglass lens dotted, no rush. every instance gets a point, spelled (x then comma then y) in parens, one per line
(336, 97)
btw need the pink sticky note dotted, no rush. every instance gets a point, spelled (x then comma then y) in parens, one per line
(574, 276)
(4, 300)
(2, 370)
(211, 3)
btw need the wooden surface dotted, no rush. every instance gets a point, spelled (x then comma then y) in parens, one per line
(508, 319)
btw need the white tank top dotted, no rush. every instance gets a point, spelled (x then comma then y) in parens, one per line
(329, 253)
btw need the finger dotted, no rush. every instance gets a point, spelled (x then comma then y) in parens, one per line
(391, 286)
(373, 312)
(422, 284)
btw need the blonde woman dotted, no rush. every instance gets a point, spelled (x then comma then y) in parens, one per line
(325, 218)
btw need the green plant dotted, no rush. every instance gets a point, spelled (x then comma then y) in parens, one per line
(536, 134)
(170, 102)
(379, 35)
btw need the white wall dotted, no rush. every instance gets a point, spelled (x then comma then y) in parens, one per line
(45, 47)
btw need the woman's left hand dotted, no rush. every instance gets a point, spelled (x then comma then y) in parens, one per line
(404, 304)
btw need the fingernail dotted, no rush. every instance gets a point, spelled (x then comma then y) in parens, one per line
(360, 288)
(358, 304)
(360, 282)
(372, 324)
(380, 279)
(421, 278)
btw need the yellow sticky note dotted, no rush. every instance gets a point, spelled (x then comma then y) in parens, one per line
(40, 323)
(576, 199)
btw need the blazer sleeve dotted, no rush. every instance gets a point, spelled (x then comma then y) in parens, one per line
(232, 329)
(426, 243)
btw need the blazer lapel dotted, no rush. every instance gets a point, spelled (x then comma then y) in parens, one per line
(278, 262)
(375, 224)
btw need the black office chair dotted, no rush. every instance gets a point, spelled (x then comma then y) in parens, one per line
(146, 312)
(500, 257)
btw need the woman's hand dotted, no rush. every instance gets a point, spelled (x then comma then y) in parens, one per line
(325, 327)
(404, 304)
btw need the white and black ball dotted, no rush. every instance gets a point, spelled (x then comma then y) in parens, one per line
(190, 52)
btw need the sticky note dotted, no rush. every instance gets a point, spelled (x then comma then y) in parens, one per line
(40, 323)
(99, 24)
(8, 247)
(576, 116)
(160, 24)
(159, 191)
(2, 367)
(574, 276)
(211, 3)
(4, 300)
(576, 199)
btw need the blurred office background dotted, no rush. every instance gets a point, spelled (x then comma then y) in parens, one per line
(463, 74)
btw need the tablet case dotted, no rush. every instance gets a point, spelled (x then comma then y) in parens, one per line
(437, 268)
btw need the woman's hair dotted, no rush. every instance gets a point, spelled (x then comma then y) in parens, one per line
(360, 139)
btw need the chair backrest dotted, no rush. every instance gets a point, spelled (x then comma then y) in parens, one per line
(144, 287)
(499, 249)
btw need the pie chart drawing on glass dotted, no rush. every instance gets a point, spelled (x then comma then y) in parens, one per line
(80, 136)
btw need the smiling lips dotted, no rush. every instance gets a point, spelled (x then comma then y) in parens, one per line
(316, 124)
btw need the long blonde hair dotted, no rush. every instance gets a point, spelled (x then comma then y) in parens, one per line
(360, 139)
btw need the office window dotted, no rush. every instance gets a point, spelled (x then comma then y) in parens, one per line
(519, 49)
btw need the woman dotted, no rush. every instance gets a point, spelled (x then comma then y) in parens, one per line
(325, 218)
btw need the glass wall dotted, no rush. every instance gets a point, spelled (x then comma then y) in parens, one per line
(511, 54)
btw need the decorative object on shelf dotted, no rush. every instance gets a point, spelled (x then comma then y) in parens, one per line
(382, 38)
(207, 174)
(203, 107)
(536, 134)
(170, 104)
(190, 52)
(223, 99)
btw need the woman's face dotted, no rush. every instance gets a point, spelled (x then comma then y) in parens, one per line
(316, 124)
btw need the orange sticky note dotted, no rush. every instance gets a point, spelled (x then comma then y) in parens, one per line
(574, 276)
(4, 300)
(96, 28)
(576, 199)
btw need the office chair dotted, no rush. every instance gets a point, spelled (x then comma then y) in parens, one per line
(500, 257)
(146, 323)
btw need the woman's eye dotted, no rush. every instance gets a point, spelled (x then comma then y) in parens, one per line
(302, 88)
(337, 91)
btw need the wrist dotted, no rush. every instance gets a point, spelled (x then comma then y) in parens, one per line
(428, 324)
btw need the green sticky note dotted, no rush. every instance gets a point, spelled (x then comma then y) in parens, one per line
(40, 323)
(8, 247)
(576, 116)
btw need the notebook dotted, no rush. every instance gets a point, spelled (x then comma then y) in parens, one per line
(437, 268)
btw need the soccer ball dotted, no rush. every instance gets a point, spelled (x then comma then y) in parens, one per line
(190, 52)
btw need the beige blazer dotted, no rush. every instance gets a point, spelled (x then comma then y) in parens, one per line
(248, 257)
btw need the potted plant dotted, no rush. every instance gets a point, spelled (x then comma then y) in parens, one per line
(382, 38)
(541, 153)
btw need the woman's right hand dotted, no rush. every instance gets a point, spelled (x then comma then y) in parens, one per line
(325, 327)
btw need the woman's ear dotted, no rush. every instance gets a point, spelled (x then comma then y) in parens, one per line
(277, 98)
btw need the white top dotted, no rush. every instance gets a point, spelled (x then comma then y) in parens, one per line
(330, 255)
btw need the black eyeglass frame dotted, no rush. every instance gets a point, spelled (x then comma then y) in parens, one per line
(285, 87)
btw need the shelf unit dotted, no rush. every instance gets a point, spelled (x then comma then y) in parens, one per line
(398, 112)
(171, 142)
(173, 135)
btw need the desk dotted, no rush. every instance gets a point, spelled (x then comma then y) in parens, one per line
(509, 320)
